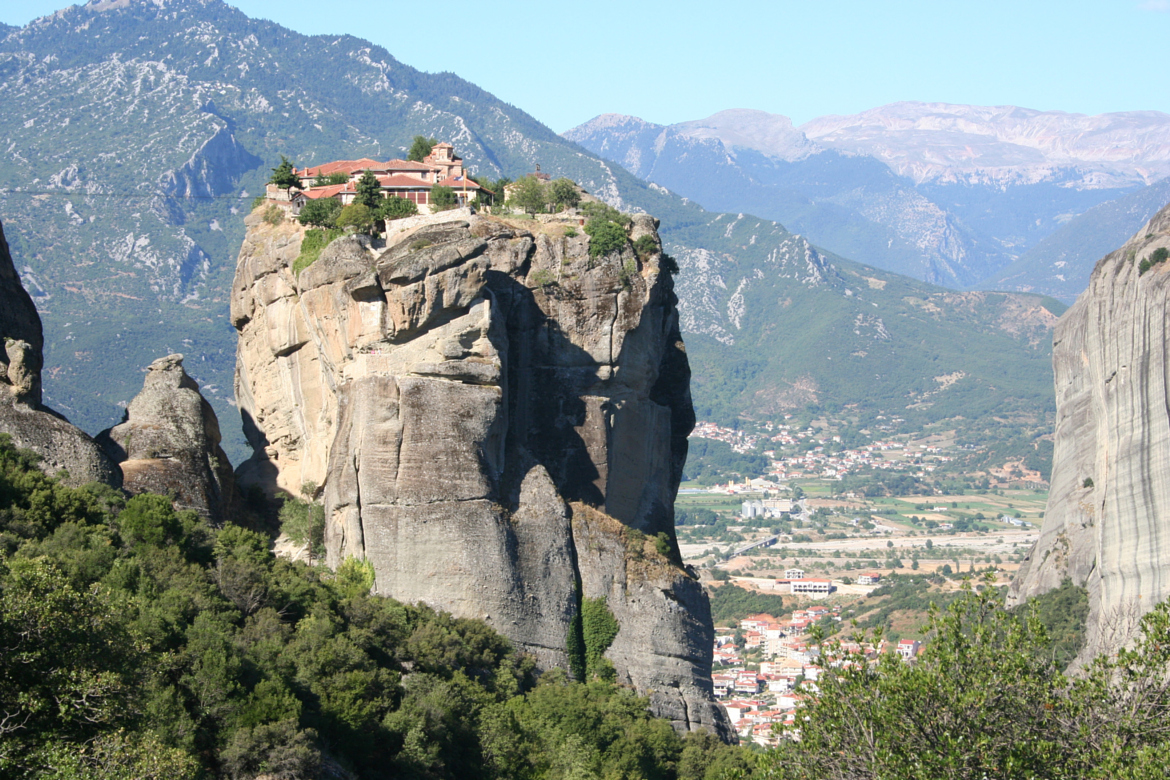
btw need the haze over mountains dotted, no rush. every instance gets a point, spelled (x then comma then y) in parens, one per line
(950, 194)
(137, 134)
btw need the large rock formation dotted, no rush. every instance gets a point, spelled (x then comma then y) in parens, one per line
(496, 419)
(61, 446)
(169, 443)
(1106, 524)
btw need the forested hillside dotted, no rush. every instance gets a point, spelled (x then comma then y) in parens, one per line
(140, 643)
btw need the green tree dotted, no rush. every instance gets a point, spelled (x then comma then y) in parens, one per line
(564, 193)
(443, 198)
(420, 148)
(321, 212)
(395, 207)
(283, 175)
(337, 177)
(369, 191)
(605, 237)
(357, 216)
(530, 195)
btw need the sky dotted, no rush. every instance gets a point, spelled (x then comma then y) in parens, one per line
(666, 62)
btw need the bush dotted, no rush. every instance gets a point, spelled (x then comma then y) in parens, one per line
(605, 237)
(564, 193)
(395, 207)
(443, 198)
(645, 246)
(312, 245)
(321, 213)
(356, 216)
(274, 215)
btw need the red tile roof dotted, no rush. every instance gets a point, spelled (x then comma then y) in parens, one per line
(342, 166)
(458, 183)
(402, 181)
(313, 193)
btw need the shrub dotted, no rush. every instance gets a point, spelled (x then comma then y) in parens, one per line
(564, 193)
(395, 207)
(529, 195)
(645, 246)
(357, 216)
(321, 213)
(274, 215)
(628, 272)
(312, 245)
(1088, 483)
(443, 198)
(605, 237)
(421, 243)
(570, 232)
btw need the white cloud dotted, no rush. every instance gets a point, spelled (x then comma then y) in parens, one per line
(1155, 5)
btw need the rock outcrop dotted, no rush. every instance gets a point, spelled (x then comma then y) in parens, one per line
(169, 443)
(33, 426)
(497, 419)
(1107, 523)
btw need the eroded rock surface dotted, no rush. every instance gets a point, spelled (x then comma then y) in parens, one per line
(169, 443)
(490, 411)
(33, 426)
(1107, 525)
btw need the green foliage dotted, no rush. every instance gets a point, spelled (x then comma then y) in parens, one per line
(420, 147)
(1087, 483)
(646, 246)
(529, 195)
(190, 653)
(731, 604)
(668, 264)
(1156, 257)
(563, 193)
(603, 212)
(283, 175)
(1063, 613)
(901, 592)
(598, 629)
(149, 519)
(605, 237)
(304, 523)
(395, 207)
(369, 191)
(333, 179)
(312, 245)
(320, 213)
(357, 216)
(570, 232)
(443, 198)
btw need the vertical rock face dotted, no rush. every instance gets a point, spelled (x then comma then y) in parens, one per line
(22, 416)
(1107, 523)
(169, 443)
(494, 415)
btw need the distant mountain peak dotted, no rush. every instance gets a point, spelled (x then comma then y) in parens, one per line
(947, 142)
(770, 134)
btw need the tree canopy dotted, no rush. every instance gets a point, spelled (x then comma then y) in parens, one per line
(283, 175)
(530, 195)
(369, 191)
(420, 148)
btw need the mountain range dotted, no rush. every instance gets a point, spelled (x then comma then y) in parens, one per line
(950, 194)
(139, 131)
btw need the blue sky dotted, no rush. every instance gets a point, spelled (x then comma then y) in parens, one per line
(667, 62)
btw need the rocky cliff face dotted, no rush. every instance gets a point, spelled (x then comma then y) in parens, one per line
(22, 416)
(169, 443)
(496, 419)
(1106, 522)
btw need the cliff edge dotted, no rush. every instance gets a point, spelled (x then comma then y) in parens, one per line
(1107, 525)
(497, 418)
